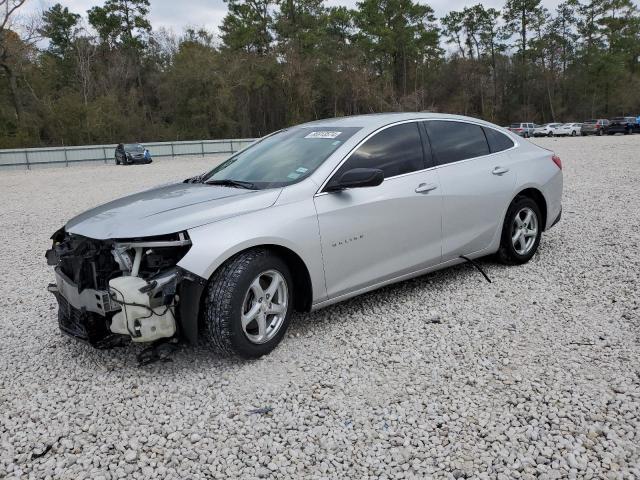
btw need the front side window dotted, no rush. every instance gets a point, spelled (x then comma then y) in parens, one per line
(455, 141)
(395, 150)
(497, 141)
(283, 158)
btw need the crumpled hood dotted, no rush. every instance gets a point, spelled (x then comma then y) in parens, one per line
(168, 209)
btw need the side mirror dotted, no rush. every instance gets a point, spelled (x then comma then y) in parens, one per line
(357, 178)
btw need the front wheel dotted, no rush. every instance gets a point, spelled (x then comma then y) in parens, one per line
(521, 232)
(248, 304)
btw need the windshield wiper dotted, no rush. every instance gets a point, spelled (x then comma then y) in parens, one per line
(232, 183)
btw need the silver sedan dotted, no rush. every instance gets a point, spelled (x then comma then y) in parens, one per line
(303, 218)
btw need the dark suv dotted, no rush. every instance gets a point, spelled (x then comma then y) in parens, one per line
(594, 127)
(624, 125)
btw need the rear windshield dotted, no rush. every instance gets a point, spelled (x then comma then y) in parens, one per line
(283, 158)
(515, 125)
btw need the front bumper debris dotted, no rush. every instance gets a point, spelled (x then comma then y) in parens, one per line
(83, 325)
(95, 301)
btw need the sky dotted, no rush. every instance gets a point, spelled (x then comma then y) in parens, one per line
(177, 14)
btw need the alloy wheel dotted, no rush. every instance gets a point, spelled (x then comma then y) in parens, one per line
(524, 231)
(264, 308)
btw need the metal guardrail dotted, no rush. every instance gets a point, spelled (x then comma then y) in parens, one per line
(67, 156)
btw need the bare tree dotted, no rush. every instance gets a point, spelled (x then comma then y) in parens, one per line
(9, 43)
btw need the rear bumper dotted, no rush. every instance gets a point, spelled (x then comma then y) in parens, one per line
(557, 219)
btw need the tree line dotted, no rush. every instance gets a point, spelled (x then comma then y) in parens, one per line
(107, 76)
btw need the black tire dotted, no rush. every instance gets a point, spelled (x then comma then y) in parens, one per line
(507, 253)
(224, 298)
(550, 134)
(573, 133)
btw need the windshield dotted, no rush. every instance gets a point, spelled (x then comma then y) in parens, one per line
(283, 158)
(515, 125)
(133, 147)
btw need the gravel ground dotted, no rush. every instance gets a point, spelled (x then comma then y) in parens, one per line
(536, 375)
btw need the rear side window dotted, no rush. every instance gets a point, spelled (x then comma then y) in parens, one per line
(395, 150)
(497, 141)
(455, 141)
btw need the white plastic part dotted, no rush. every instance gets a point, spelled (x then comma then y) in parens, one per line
(136, 261)
(141, 322)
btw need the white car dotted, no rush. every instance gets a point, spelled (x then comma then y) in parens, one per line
(567, 129)
(306, 217)
(546, 130)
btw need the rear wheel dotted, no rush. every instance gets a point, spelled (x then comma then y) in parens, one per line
(521, 232)
(248, 304)
(573, 133)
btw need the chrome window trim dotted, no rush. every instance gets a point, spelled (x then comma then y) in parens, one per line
(516, 144)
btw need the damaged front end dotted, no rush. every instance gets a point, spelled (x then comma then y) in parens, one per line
(113, 290)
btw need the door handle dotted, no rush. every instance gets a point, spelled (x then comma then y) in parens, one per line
(499, 170)
(426, 187)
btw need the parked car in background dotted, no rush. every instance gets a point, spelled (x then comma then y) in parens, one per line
(594, 127)
(523, 129)
(625, 125)
(567, 130)
(130, 153)
(545, 130)
(309, 216)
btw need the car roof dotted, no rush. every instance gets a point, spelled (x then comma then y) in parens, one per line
(376, 120)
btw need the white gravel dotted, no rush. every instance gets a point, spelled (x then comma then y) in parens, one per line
(536, 375)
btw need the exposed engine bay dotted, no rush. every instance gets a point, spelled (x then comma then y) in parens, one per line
(112, 290)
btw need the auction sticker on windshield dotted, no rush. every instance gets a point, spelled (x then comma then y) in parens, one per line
(323, 134)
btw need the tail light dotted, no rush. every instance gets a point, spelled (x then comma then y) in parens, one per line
(557, 161)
